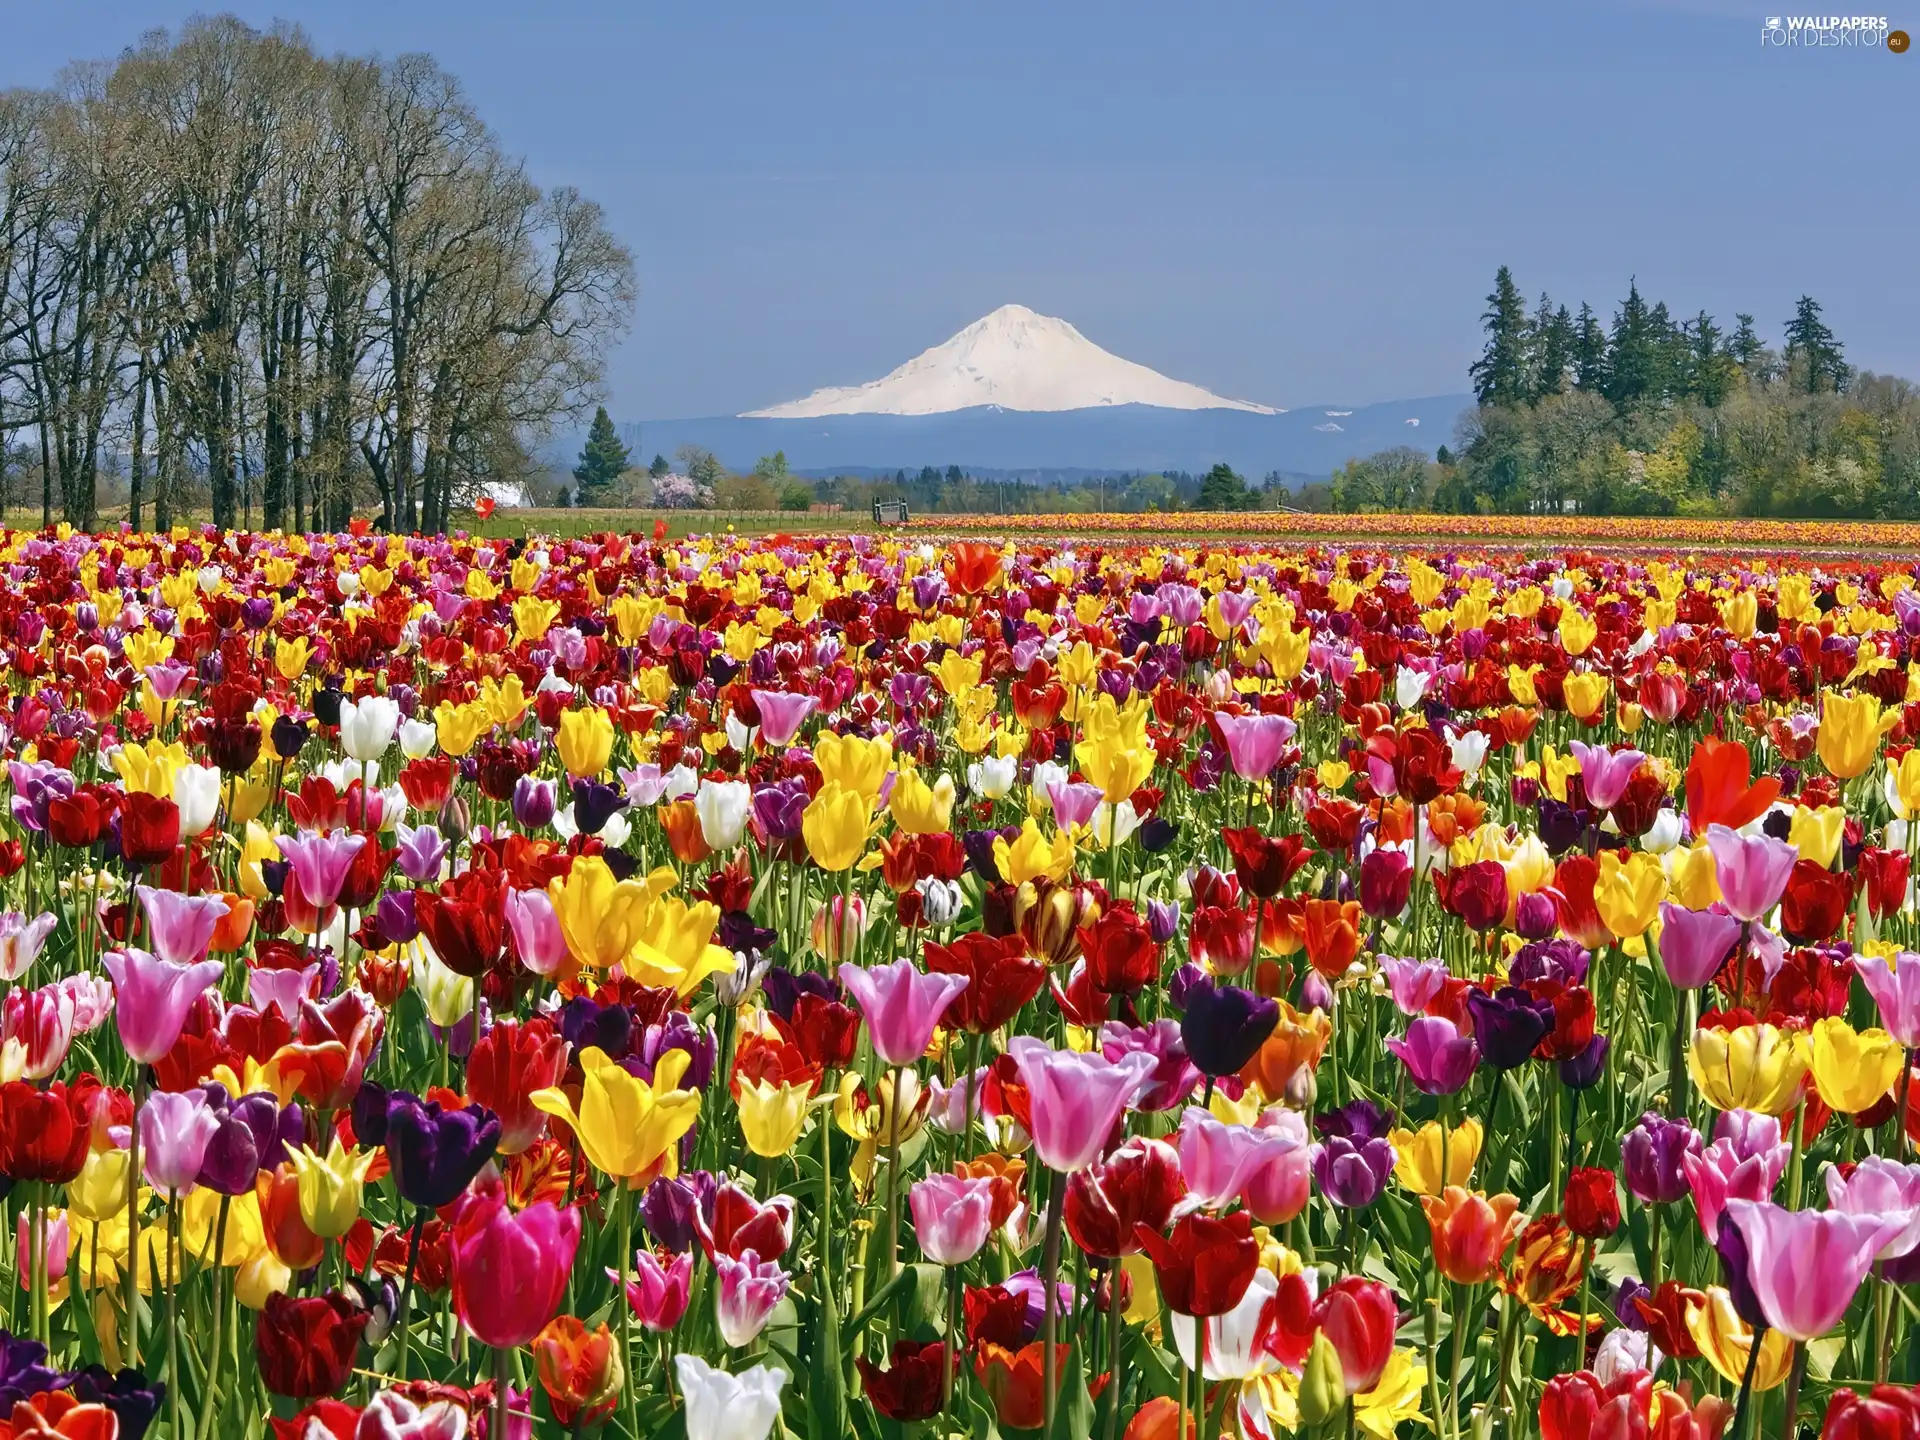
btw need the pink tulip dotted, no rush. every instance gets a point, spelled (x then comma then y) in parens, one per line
(1604, 773)
(1694, 943)
(1895, 987)
(1254, 742)
(951, 1216)
(510, 1271)
(1804, 1265)
(749, 1290)
(1744, 1162)
(1221, 1162)
(1074, 804)
(152, 997)
(175, 1129)
(1276, 1185)
(658, 1293)
(1413, 984)
(1753, 873)
(285, 988)
(902, 1006)
(41, 1022)
(320, 863)
(781, 715)
(180, 926)
(56, 1237)
(1879, 1186)
(537, 938)
(1076, 1099)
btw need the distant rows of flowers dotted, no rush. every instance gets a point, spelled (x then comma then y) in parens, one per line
(827, 987)
(1596, 530)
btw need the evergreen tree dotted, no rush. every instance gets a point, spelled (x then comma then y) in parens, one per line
(1745, 346)
(659, 467)
(1811, 343)
(1633, 354)
(1553, 343)
(1500, 374)
(1222, 489)
(602, 461)
(1709, 366)
(1589, 351)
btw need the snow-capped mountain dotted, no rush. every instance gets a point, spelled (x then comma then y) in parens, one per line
(1015, 359)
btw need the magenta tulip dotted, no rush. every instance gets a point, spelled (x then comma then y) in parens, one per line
(1264, 1165)
(902, 1006)
(538, 941)
(320, 863)
(151, 998)
(175, 1130)
(749, 1290)
(951, 1216)
(781, 715)
(1076, 1099)
(1439, 1059)
(1753, 872)
(1805, 1265)
(510, 1270)
(1695, 943)
(1604, 773)
(658, 1293)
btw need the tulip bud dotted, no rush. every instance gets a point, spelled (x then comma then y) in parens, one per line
(1323, 1386)
(455, 819)
(1300, 1089)
(1315, 993)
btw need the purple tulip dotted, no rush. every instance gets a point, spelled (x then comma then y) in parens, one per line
(1583, 1071)
(1163, 920)
(1652, 1155)
(1695, 943)
(1439, 1059)
(421, 853)
(436, 1153)
(671, 1206)
(533, 803)
(1352, 1174)
(1507, 1025)
(1223, 1025)
(394, 917)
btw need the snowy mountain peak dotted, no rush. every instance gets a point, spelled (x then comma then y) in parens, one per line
(1016, 359)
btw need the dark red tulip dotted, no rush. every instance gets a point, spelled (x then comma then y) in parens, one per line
(1263, 863)
(1138, 1184)
(1205, 1266)
(1001, 978)
(911, 1386)
(306, 1347)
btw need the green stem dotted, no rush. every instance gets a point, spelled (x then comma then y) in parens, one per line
(1049, 1365)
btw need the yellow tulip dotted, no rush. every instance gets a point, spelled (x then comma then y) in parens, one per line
(1850, 731)
(628, 1129)
(1417, 1156)
(1628, 893)
(834, 825)
(149, 769)
(1818, 833)
(1725, 1341)
(772, 1116)
(203, 1236)
(1114, 751)
(919, 808)
(99, 1191)
(675, 946)
(1755, 1067)
(261, 1276)
(878, 1121)
(330, 1186)
(1740, 613)
(1694, 877)
(585, 741)
(1586, 695)
(291, 657)
(599, 915)
(853, 763)
(957, 672)
(1903, 786)
(533, 617)
(1031, 855)
(460, 726)
(1577, 631)
(1520, 684)
(1853, 1069)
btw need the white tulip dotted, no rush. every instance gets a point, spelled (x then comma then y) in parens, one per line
(367, 726)
(993, 776)
(1665, 833)
(729, 1407)
(417, 739)
(448, 995)
(722, 806)
(1410, 686)
(1469, 750)
(196, 790)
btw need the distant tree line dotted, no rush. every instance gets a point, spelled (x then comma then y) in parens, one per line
(244, 280)
(1649, 415)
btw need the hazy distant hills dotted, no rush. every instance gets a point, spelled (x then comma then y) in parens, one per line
(1106, 438)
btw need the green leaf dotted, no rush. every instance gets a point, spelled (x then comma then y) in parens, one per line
(1073, 1413)
(826, 1375)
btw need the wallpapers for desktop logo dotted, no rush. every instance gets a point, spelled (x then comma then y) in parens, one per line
(1829, 32)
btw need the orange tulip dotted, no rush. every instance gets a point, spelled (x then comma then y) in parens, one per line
(232, 930)
(1333, 935)
(580, 1371)
(684, 836)
(1297, 1041)
(1158, 1419)
(973, 566)
(296, 1246)
(1013, 1380)
(1471, 1232)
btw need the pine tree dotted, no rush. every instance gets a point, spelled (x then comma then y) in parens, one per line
(1709, 366)
(1633, 357)
(1745, 346)
(1500, 374)
(602, 461)
(659, 467)
(1810, 342)
(1553, 342)
(1222, 489)
(1589, 351)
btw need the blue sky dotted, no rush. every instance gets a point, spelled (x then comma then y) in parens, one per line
(1287, 203)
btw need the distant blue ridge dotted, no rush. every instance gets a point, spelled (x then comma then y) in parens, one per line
(1105, 440)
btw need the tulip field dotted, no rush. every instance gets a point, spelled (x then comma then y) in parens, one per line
(799, 987)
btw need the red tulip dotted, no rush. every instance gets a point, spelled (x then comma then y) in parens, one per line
(1721, 789)
(1815, 903)
(305, 1347)
(512, 1060)
(1359, 1317)
(1121, 955)
(1477, 893)
(1884, 873)
(1592, 1208)
(44, 1134)
(1205, 1266)
(1572, 892)
(466, 920)
(1264, 863)
(149, 828)
(910, 1387)
(1423, 768)
(78, 820)
(1137, 1185)
(1886, 1412)
(1001, 978)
